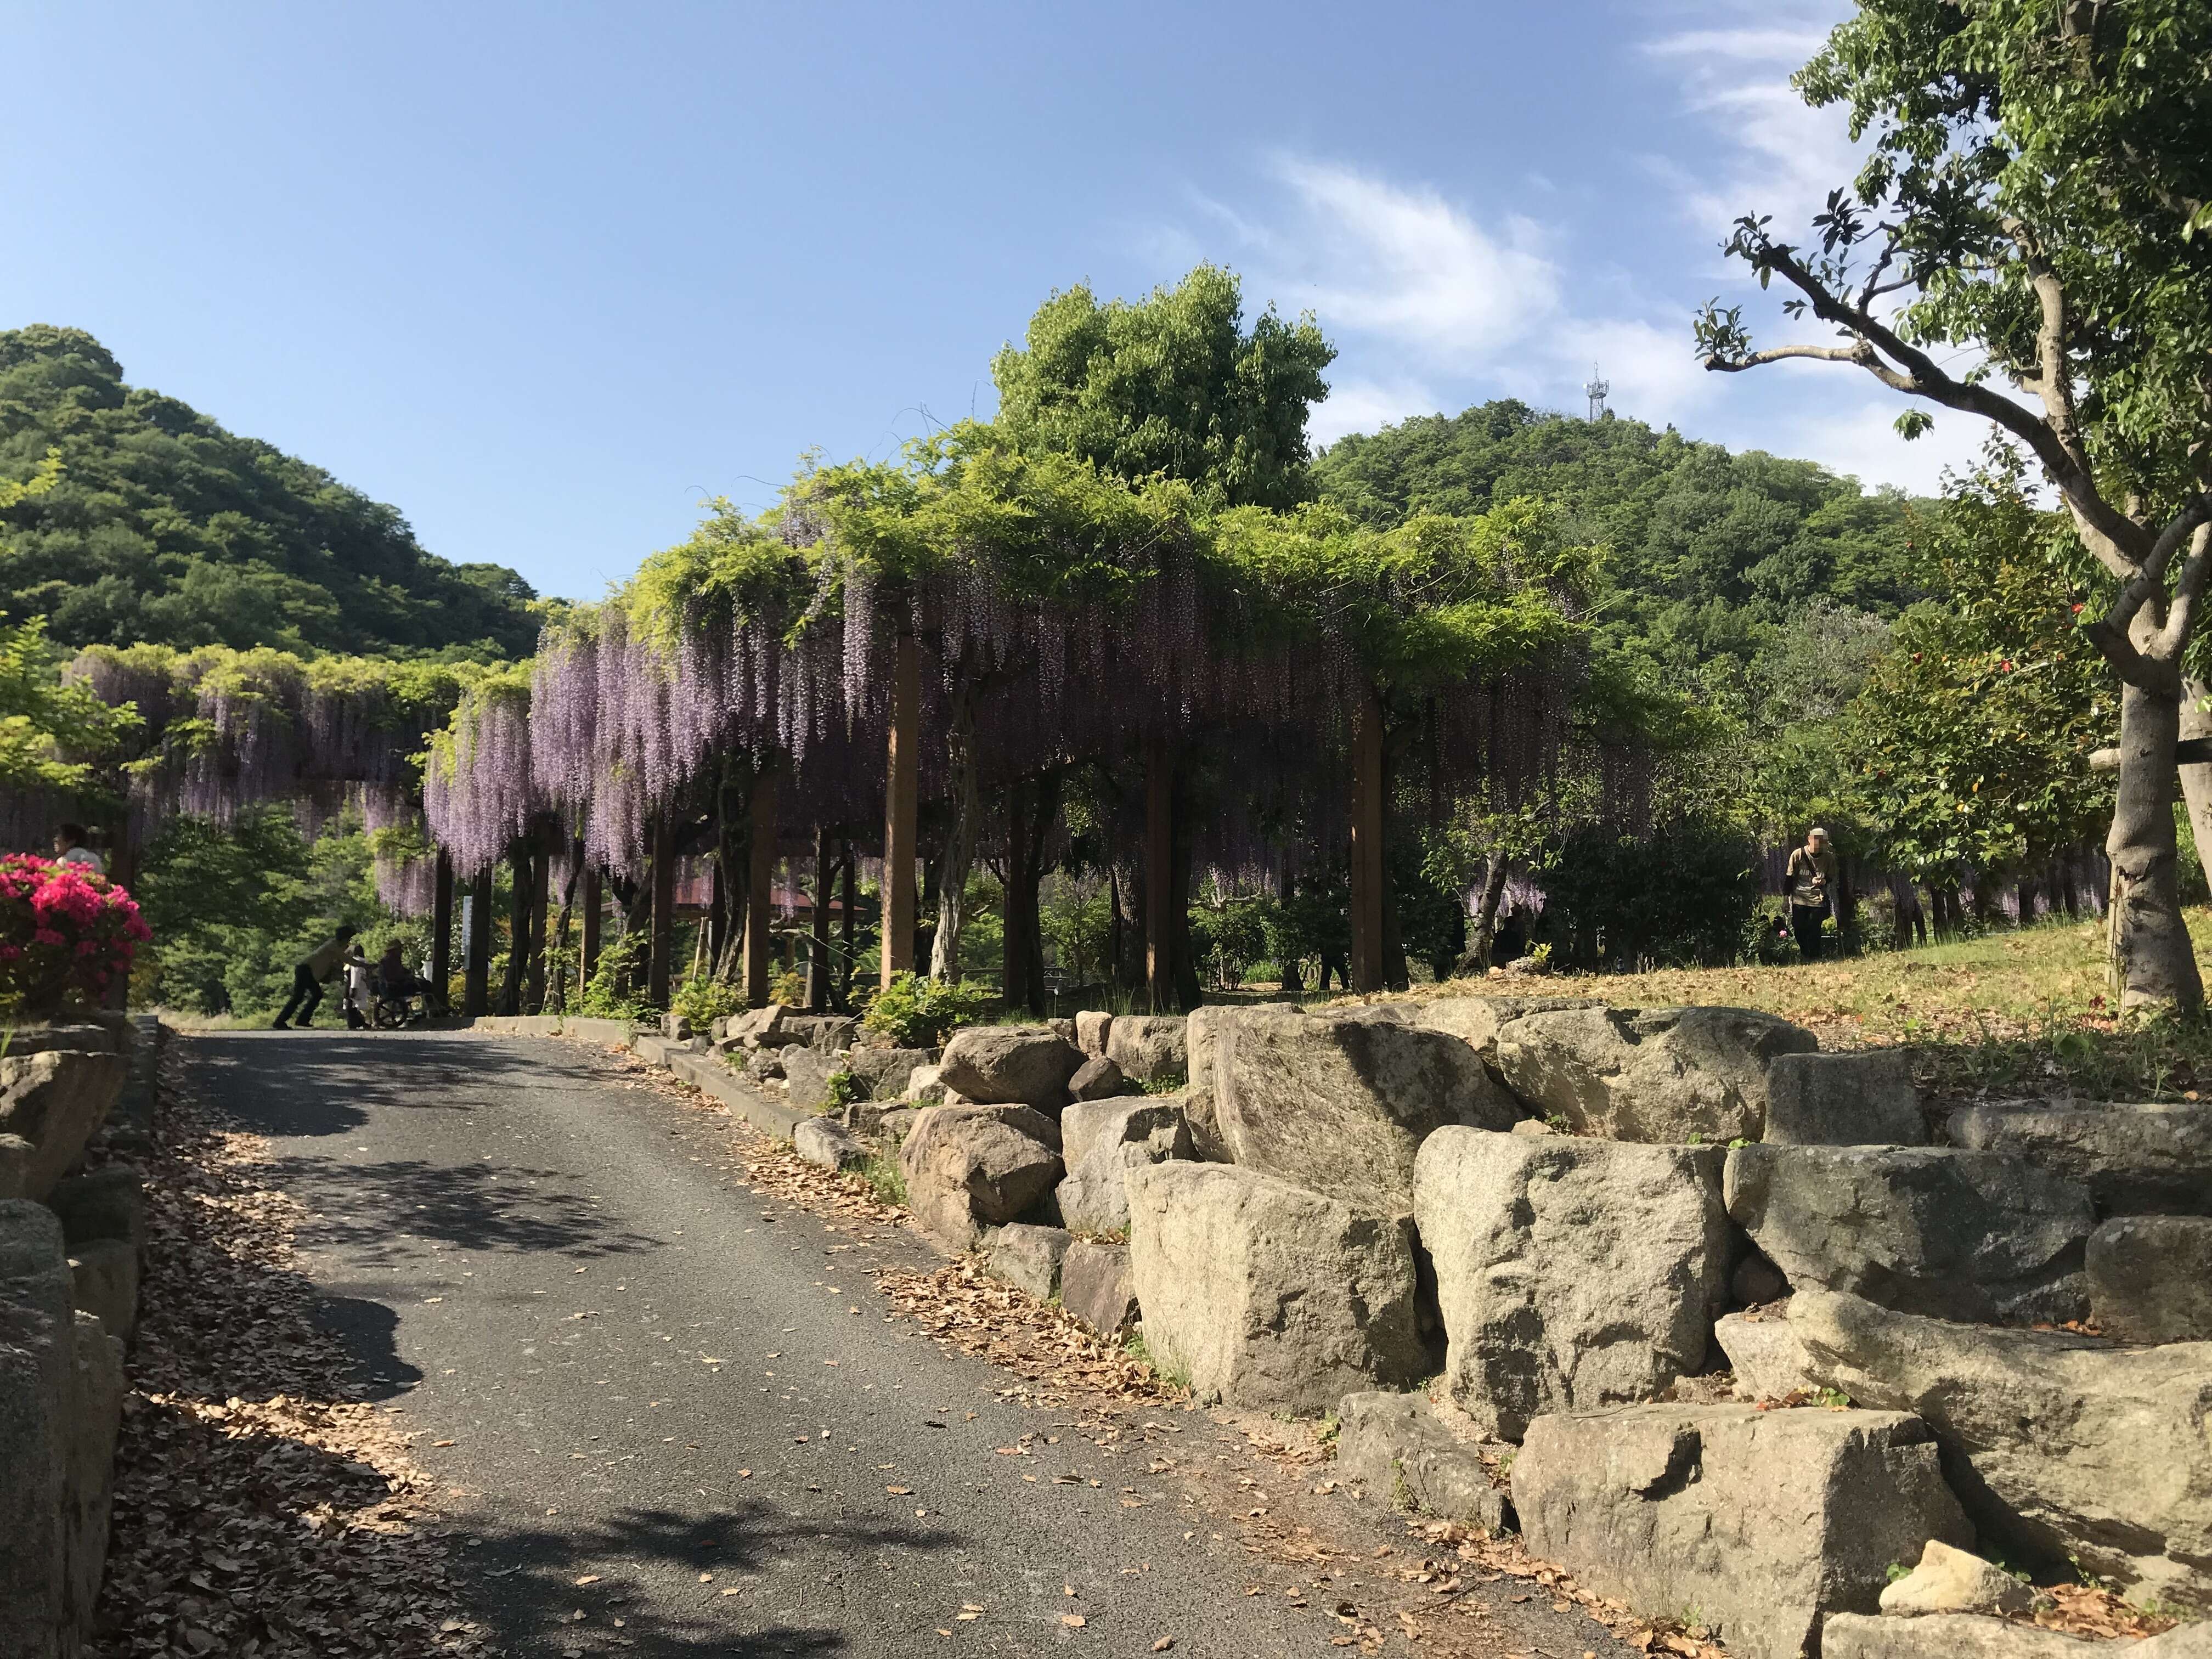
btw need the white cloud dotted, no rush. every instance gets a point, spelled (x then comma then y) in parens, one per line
(1407, 266)
(1356, 404)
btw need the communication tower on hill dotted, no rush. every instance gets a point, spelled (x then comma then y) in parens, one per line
(1596, 391)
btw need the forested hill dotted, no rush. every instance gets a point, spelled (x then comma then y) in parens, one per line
(163, 526)
(1710, 550)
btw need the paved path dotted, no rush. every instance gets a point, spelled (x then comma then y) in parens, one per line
(656, 1379)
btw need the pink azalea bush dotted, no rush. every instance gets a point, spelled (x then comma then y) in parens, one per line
(65, 932)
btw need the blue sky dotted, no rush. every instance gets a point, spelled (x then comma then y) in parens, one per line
(546, 277)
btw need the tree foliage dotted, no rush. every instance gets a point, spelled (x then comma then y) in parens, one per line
(1171, 386)
(145, 521)
(53, 730)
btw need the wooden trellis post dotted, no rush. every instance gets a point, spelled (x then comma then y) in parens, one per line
(1367, 876)
(901, 808)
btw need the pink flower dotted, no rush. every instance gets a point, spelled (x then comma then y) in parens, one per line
(45, 936)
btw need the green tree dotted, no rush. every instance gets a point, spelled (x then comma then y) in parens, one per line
(2037, 209)
(1170, 386)
(51, 730)
(143, 521)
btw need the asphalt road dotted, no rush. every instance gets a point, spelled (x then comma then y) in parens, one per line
(691, 1396)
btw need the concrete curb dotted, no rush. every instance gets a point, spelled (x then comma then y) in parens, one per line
(710, 1076)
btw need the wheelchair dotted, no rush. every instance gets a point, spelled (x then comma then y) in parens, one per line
(396, 1006)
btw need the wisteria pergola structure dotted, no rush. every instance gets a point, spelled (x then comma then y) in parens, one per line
(887, 636)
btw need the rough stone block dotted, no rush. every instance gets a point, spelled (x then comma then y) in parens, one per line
(1091, 1029)
(1766, 1522)
(1765, 1354)
(1948, 1580)
(109, 1202)
(1655, 1074)
(1861, 1098)
(824, 1141)
(1097, 1078)
(56, 1099)
(1341, 1101)
(1929, 1230)
(2059, 1445)
(2150, 1277)
(1149, 1048)
(1027, 1256)
(1145, 1130)
(968, 1168)
(104, 1282)
(1397, 1450)
(1954, 1635)
(1095, 1287)
(95, 1417)
(16, 1154)
(1573, 1273)
(38, 1388)
(2149, 1159)
(1269, 1296)
(883, 1073)
(1009, 1064)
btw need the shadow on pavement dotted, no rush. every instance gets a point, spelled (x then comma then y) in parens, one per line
(365, 1329)
(525, 1578)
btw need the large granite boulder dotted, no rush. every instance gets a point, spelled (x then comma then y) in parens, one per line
(1267, 1296)
(1765, 1356)
(968, 1168)
(109, 1202)
(1927, 1230)
(1095, 1287)
(1009, 1064)
(1766, 1522)
(1573, 1273)
(61, 1400)
(1149, 1129)
(824, 1141)
(2060, 1446)
(1396, 1450)
(55, 1099)
(883, 1073)
(1097, 1078)
(1656, 1075)
(1862, 1097)
(1149, 1048)
(1476, 1020)
(1027, 1256)
(1090, 1028)
(1201, 1108)
(1340, 1102)
(806, 1075)
(2150, 1277)
(1958, 1636)
(2149, 1159)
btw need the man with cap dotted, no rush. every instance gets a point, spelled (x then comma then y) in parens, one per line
(1812, 871)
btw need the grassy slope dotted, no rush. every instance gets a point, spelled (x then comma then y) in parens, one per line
(2008, 1014)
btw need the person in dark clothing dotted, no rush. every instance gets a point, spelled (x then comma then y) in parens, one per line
(309, 977)
(1811, 873)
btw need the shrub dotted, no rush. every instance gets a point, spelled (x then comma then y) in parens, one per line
(916, 1013)
(841, 1089)
(789, 988)
(703, 1001)
(615, 992)
(64, 933)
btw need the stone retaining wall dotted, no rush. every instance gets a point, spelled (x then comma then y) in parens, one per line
(70, 1096)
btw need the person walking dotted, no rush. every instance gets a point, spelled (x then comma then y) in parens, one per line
(309, 977)
(69, 849)
(1812, 872)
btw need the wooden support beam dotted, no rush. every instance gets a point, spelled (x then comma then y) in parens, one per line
(661, 940)
(588, 958)
(1159, 874)
(901, 808)
(817, 942)
(476, 986)
(1367, 964)
(441, 930)
(2190, 752)
(760, 889)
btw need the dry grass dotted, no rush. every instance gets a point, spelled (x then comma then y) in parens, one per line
(2023, 1013)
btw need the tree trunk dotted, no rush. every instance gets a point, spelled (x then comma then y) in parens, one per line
(902, 807)
(1847, 907)
(540, 880)
(441, 932)
(760, 886)
(1182, 960)
(661, 941)
(476, 986)
(848, 922)
(817, 937)
(588, 946)
(964, 787)
(518, 927)
(2196, 781)
(731, 867)
(1159, 876)
(1476, 959)
(2153, 965)
(560, 938)
(1368, 964)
